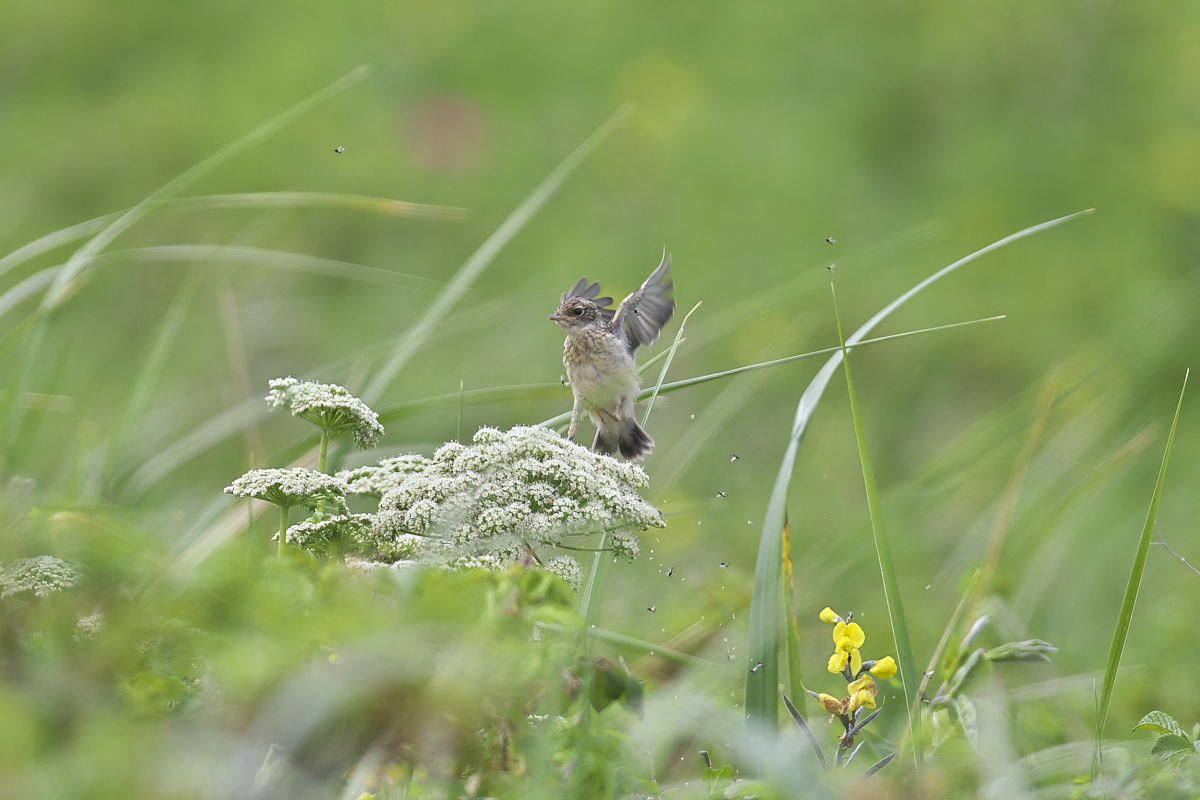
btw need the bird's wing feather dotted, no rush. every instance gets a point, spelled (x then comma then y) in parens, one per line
(642, 315)
(589, 292)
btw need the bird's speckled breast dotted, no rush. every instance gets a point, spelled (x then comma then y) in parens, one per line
(599, 367)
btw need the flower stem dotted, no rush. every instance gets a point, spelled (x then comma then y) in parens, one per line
(324, 449)
(283, 515)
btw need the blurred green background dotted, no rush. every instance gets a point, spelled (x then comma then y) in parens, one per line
(912, 134)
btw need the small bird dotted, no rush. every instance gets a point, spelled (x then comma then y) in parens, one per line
(598, 355)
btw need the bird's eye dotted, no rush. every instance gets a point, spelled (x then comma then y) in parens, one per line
(577, 311)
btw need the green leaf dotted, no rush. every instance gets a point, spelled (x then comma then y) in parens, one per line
(715, 779)
(968, 719)
(1172, 744)
(1029, 650)
(1160, 721)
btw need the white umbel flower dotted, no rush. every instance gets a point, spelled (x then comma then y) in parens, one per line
(511, 490)
(327, 406)
(378, 478)
(291, 487)
(38, 576)
(315, 533)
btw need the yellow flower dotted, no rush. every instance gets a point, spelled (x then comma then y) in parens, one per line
(863, 683)
(884, 668)
(837, 661)
(863, 699)
(848, 637)
(828, 615)
(855, 661)
(832, 704)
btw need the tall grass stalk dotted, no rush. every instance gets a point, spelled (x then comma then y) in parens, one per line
(1125, 616)
(766, 625)
(883, 550)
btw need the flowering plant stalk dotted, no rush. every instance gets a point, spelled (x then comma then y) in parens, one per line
(861, 689)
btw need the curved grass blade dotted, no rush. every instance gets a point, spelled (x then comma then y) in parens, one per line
(82, 257)
(1125, 615)
(151, 369)
(662, 374)
(883, 550)
(766, 626)
(273, 259)
(481, 258)
(812, 740)
(256, 200)
(66, 280)
(684, 383)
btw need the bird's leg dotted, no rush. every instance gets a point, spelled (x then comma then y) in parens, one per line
(576, 415)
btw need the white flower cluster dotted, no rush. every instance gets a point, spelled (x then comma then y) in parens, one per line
(315, 533)
(41, 575)
(512, 490)
(327, 406)
(387, 474)
(291, 487)
(567, 568)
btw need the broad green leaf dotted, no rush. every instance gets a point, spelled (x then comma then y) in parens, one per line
(1159, 721)
(1172, 744)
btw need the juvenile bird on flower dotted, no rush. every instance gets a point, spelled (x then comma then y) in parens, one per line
(598, 356)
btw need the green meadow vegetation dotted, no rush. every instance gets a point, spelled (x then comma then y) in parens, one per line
(290, 508)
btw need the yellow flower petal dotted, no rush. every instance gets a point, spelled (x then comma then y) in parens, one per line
(884, 668)
(862, 683)
(839, 630)
(863, 699)
(855, 632)
(828, 615)
(837, 661)
(855, 661)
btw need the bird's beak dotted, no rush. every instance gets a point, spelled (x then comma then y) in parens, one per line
(556, 317)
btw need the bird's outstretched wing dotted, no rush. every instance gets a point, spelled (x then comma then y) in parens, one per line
(589, 292)
(642, 315)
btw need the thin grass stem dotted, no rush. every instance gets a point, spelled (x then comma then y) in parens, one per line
(1125, 616)
(883, 550)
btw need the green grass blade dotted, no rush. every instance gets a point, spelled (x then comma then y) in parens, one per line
(766, 627)
(82, 257)
(883, 550)
(272, 259)
(54, 240)
(662, 374)
(1125, 616)
(324, 201)
(658, 357)
(685, 383)
(150, 371)
(255, 200)
(481, 258)
(66, 280)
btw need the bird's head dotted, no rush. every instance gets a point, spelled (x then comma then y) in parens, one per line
(576, 313)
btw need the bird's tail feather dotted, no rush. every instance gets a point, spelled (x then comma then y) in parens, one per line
(625, 437)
